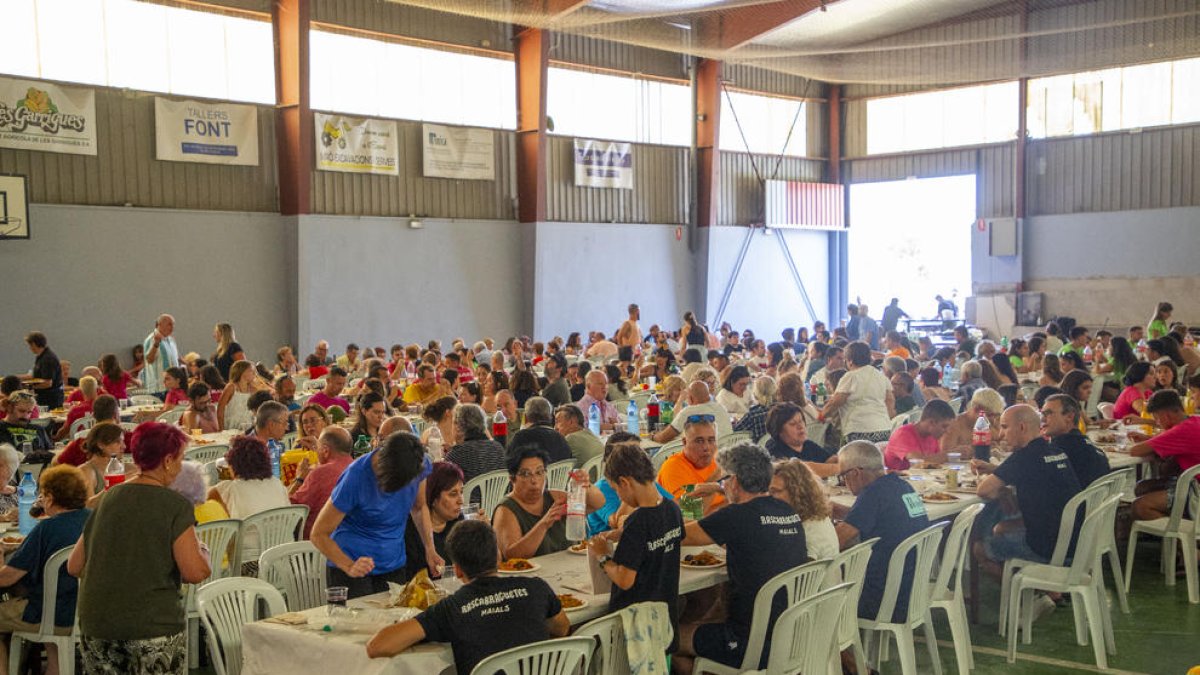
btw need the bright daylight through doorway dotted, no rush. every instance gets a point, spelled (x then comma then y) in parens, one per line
(911, 240)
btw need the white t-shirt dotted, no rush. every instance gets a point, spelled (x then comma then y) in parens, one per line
(821, 539)
(865, 410)
(736, 405)
(724, 425)
(245, 498)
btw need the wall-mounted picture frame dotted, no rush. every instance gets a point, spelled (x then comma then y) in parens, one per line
(14, 206)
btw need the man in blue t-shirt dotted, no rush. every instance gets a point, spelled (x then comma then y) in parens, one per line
(886, 506)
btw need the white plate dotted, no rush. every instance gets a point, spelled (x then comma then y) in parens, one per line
(533, 567)
(571, 549)
(575, 609)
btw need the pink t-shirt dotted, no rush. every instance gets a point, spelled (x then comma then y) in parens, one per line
(318, 485)
(904, 441)
(1124, 404)
(1181, 441)
(177, 396)
(117, 387)
(324, 400)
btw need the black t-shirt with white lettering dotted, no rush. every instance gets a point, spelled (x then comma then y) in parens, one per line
(489, 615)
(890, 509)
(1045, 481)
(1088, 461)
(762, 537)
(650, 547)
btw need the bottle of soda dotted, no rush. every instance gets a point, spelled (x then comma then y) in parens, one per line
(26, 497)
(632, 423)
(822, 394)
(500, 428)
(362, 445)
(981, 438)
(594, 418)
(114, 473)
(577, 506)
(652, 413)
(435, 444)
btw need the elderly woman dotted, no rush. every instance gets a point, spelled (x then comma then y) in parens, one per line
(958, 436)
(444, 498)
(755, 419)
(789, 439)
(531, 520)
(63, 497)
(193, 484)
(104, 441)
(10, 466)
(795, 483)
(735, 391)
(474, 453)
(252, 490)
(440, 416)
(863, 398)
(361, 528)
(131, 617)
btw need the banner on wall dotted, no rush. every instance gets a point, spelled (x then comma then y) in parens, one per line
(603, 164)
(458, 152)
(356, 145)
(46, 117)
(208, 133)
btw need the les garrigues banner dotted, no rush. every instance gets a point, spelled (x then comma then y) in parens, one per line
(46, 117)
(208, 133)
(355, 145)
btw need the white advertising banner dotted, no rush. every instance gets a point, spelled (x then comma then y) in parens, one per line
(208, 133)
(46, 117)
(458, 152)
(603, 164)
(356, 145)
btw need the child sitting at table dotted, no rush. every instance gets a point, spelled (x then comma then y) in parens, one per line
(489, 614)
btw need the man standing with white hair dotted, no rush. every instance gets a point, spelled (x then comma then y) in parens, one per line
(886, 506)
(161, 353)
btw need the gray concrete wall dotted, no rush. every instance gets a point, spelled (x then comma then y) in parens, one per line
(94, 279)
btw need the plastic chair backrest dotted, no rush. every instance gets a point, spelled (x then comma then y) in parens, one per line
(211, 472)
(564, 656)
(1105, 410)
(492, 487)
(275, 526)
(899, 421)
(172, 416)
(220, 536)
(128, 426)
(956, 403)
(289, 440)
(1100, 519)
(805, 635)
(297, 569)
(736, 438)
(84, 423)
(557, 473)
(925, 545)
(1074, 510)
(611, 654)
(50, 571)
(850, 566)
(954, 555)
(594, 468)
(1187, 493)
(816, 431)
(664, 453)
(205, 453)
(797, 584)
(225, 606)
(1094, 398)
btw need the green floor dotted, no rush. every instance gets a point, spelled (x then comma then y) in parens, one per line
(1161, 635)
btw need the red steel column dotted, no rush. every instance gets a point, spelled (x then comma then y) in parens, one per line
(708, 135)
(294, 118)
(533, 57)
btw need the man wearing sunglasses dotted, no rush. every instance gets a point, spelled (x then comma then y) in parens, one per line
(700, 402)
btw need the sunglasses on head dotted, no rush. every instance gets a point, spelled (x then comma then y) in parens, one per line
(701, 419)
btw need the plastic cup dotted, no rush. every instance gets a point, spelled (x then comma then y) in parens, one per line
(335, 597)
(197, 433)
(471, 511)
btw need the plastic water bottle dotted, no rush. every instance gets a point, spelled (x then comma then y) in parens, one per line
(632, 424)
(500, 428)
(594, 418)
(435, 444)
(577, 506)
(947, 375)
(26, 496)
(275, 450)
(26, 450)
(981, 438)
(362, 445)
(114, 473)
(652, 413)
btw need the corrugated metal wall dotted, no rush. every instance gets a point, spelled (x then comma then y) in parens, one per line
(618, 56)
(659, 194)
(335, 192)
(415, 22)
(1160, 39)
(124, 170)
(992, 166)
(740, 195)
(1153, 169)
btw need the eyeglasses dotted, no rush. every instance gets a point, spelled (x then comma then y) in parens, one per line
(722, 479)
(701, 419)
(843, 474)
(528, 475)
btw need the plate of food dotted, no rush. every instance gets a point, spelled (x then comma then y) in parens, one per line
(938, 497)
(517, 566)
(578, 549)
(571, 603)
(10, 542)
(701, 560)
(202, 441)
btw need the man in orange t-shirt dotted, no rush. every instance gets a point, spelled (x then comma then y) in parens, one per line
(695, 464)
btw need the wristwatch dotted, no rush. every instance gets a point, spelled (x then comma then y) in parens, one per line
(601, 560)
(298, 479)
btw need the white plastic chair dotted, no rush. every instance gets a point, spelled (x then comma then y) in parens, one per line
(850, 566)
(557, 474)
(957, 402)
(492, 487)
(594, 468)
(797, 584)
(211, 472)
(563, 656)
(1093, 401)
(733, 439)
(1082, 579)
(220, 536)
(899, 421)
(816, 432)
(274, 526)
(128, 426)
(145, 399)
(948, 586)
(289, 440)
(924, 545)
(65, 644)
(205, 453)
(611, 655)
(225, 606)
(805, 636)
(664, 453)
(1105, 410)
(1174, 530)
(1115, 484)
(298, 571)
(83, 424)
(172, 416)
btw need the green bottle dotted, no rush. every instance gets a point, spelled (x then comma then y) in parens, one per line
(362, 445)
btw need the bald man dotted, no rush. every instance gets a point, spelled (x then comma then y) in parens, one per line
(161, 353)
(700, 405)
(1044, 482)
(313, 485)
(595, 387)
